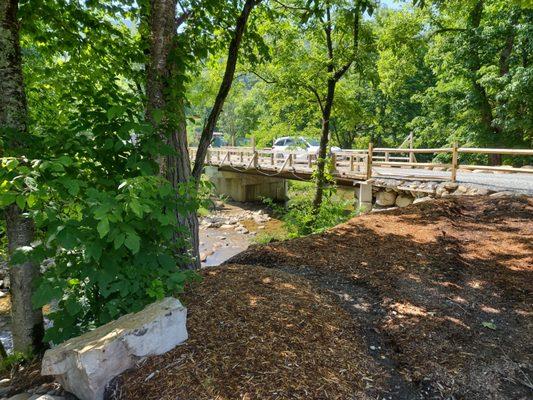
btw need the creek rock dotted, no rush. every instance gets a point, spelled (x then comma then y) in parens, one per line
(84, 365)
(502, 194)
(385, 199)
(403, 200)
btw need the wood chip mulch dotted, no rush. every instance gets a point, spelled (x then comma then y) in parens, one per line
(451, 287)
(257, 333)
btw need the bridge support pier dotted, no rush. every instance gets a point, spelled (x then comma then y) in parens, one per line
(363, 193)
(246, 187)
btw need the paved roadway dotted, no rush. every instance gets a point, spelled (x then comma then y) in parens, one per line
(514, 182)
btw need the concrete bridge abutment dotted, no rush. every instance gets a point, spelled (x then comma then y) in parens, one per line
(246, 187)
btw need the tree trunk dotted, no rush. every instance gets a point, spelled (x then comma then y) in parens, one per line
(223, 91)
(27, 323)
(334, 77)
(162, 78)
(321, 180)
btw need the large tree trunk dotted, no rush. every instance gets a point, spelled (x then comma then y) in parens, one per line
(27, 323)
(162, 78)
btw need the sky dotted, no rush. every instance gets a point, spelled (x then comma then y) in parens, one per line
(391, 3)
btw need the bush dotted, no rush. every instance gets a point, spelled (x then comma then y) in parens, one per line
(107, 225)
(298, 216)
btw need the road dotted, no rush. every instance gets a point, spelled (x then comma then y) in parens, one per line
(514, 182)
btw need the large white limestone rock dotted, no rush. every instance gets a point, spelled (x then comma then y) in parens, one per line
(85, 364)
(385, 199)
(403, 200)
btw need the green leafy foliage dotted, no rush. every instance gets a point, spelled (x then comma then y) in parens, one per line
(298, 218)
(109, 242)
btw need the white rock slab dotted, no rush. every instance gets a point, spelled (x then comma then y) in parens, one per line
(84, 365)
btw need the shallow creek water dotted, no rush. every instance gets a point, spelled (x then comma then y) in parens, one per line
(234, 229)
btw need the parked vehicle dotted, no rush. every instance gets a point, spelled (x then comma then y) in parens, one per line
(218, 140)
(301, 145)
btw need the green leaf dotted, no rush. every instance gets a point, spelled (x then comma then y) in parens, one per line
(32, 200)
(489, 325)
(45, 293)
(166, 261)
(136, 208)
(94, 250)
(7, 199)
(21, 202)
(103, 227)
(119, 240)
(72, 306)
(133, 242)
(115, 111)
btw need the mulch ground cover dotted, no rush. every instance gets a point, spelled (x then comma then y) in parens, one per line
(433, 301)
(446, 284)
(257, 333)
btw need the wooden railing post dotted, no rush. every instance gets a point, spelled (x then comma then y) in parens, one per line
(334, 161)
(455, 161)
(310, 161)
(351, 162)
(369, 160)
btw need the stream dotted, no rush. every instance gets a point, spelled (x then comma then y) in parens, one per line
(230, 229)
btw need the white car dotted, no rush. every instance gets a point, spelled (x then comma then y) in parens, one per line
(301, 145)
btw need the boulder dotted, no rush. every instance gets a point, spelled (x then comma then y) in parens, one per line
(385, 199)
(450, 185)
(502, 194)
(84, 365)
(403, 200)
(422, 199)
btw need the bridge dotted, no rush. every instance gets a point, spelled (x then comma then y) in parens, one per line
(247, 173)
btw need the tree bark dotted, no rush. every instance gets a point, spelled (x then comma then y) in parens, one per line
(223, 91)
(321, 179)
(165, 98)
(27, 323)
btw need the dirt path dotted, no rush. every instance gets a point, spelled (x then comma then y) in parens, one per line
(363, 305)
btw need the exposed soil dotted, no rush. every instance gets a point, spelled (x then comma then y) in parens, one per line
(432, 301)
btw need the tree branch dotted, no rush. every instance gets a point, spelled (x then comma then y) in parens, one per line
(338, 75)
(317, 95)
(262, 77)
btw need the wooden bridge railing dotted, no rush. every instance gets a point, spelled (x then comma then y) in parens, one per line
(354, 164)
